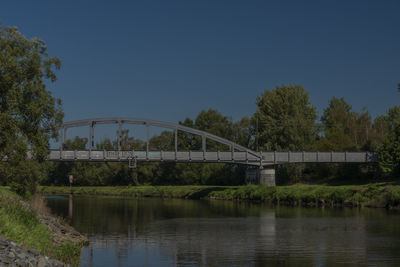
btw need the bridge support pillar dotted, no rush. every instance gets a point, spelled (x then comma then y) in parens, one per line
(260, 176)
(267, 177)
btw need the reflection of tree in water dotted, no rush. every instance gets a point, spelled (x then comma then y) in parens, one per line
(210, 241)
(116, 215)
(223, 233)
(316, 237)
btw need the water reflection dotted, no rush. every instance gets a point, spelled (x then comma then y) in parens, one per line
(174, 232)
(70, 207)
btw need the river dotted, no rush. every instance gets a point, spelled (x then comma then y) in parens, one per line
(177, 232)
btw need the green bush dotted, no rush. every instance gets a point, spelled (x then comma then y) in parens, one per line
(20, 190)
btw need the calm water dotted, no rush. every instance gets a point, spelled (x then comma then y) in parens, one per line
(175, 232)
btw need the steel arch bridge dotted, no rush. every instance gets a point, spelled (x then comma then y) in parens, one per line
(235, 154)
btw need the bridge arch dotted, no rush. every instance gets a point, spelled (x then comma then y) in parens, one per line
(149, 123)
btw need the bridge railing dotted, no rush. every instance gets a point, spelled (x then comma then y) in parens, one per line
(179, 156)
(241, 157)
(304, 157)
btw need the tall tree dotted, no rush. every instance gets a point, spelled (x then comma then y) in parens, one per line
(390, 152)
(383, 125)
(285, 119)
(338, 122)
(215, 123)
(29, 114)
(210, 121)
(393, 117)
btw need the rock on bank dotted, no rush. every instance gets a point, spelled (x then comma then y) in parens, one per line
(12, 254)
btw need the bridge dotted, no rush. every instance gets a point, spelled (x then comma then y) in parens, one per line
(235, 153)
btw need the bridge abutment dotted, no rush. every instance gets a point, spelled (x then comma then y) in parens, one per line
(260, 176)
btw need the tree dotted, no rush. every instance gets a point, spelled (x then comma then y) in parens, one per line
(389, 154)
(387, 129)
(77, 143)
(344, 129)
(164, 141)
(210, 121)
(393, 117)
(285, 119)
(214, 122)
(338, 121)
(242, 132)
(383, 125)
(188, 141)
(29, 114)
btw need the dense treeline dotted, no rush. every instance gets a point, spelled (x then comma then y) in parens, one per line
(284, 119)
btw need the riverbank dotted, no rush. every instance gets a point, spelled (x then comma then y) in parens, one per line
(377, 195)
(30, 234)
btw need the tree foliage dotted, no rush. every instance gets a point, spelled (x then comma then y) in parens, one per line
(390, 152)
(29, 114)
(285, 119)
(338, 122)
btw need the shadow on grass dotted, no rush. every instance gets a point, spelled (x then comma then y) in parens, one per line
(349, 181)
(202, 193)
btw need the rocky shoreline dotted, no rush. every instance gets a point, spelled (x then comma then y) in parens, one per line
(12, 254)
(60, 231)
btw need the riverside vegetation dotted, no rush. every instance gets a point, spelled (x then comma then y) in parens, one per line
(29, 224)
(371, 195)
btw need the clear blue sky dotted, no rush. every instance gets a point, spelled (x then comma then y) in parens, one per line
(167, 60)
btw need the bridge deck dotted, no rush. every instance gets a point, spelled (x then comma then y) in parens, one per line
(241, 157)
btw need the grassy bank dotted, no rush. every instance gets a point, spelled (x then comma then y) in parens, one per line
(370, 195)
(21, 225)
(187, 191)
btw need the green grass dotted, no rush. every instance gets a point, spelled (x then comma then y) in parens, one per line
(192, 192)
(23, 226)
(369, 195)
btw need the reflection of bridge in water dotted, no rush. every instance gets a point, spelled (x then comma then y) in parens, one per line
(234, 153)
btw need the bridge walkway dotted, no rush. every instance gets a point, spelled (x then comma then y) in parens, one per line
(239, 157)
